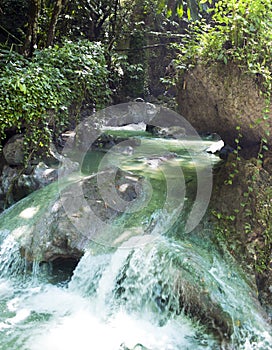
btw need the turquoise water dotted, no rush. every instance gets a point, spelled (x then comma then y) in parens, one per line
(153, 286)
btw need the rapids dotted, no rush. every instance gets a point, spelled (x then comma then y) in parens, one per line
(159, 288)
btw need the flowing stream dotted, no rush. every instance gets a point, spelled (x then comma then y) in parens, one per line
(174, 291)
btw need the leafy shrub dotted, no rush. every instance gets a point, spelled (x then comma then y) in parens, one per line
(39, 94)
(239, 31)
(83, 66)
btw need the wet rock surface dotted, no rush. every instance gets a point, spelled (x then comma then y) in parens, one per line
(72, 217)
(175, 132)
(89, 130)
(107, 141)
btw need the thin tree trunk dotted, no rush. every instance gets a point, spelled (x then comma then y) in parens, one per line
(114, 24)
(59, 5)
(31, 35)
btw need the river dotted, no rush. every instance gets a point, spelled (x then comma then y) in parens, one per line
(162, 287)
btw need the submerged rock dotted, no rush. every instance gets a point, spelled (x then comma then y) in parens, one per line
(186, 279)
(155, 162)
(106, 142)
(175, 132)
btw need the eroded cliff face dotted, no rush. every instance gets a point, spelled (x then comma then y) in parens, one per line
(219, 98)
(241, 210)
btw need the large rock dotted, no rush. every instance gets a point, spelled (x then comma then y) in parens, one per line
(14, 150)
(130, 113)
(58, 223)
(158, 118)
(90, 129)
(218, 98)
(17, 182)
(60, 220)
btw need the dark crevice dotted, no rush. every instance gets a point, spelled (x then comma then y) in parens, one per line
(60, 269)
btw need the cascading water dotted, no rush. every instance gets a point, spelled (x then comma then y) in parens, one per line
(169, 291)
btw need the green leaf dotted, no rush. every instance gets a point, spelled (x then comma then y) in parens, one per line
(22, 87)
(169, 13)
(189, 14)
(180, 11)
(161, 6)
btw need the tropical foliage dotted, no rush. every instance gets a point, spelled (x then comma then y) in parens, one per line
(238, 31)
(41, 93)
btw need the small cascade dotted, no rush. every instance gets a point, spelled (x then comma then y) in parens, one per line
(166, 283)
(88, 273)
(155, 288)
(11, 260)
(107, 281)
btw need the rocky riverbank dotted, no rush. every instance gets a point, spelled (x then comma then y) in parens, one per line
(228, 101)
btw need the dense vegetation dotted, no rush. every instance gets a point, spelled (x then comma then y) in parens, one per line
(237, 31)
(62, 55)
(42, 95)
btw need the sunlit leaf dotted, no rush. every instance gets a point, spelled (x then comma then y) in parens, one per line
(189, 13)
(169, 13)
(180, 11)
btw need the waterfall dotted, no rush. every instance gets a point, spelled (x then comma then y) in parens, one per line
(160, 288)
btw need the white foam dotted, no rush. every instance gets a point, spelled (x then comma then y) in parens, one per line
(5, 288)
(84, 331)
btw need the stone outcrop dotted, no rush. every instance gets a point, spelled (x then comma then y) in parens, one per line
(175, 132)
(218, 98)
(60, 220)
(241, 207)
(225, 100)
(18, 181)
